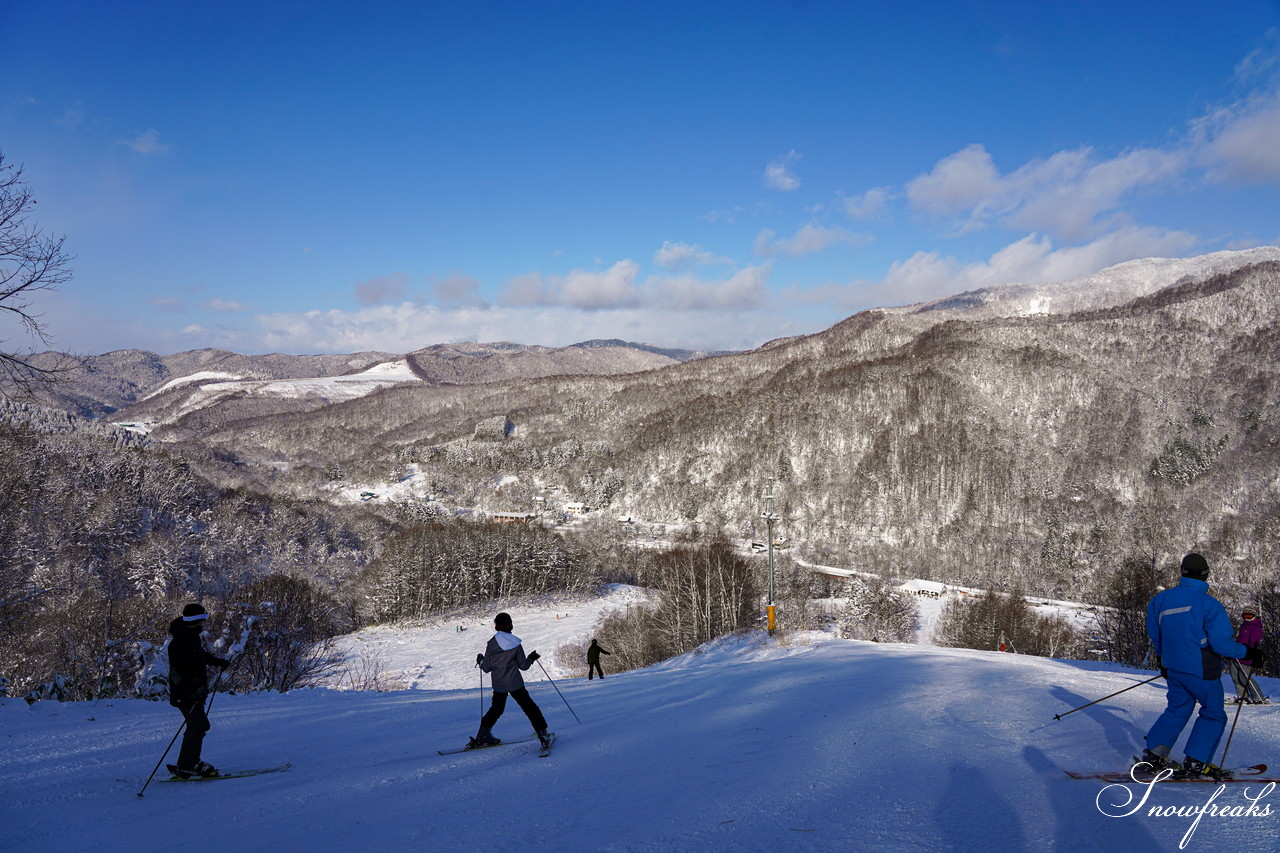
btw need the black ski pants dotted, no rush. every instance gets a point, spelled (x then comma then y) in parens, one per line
(593, 668)
(526, 703)
(193, 738)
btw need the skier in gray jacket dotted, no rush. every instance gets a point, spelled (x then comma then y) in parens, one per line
(504, 658)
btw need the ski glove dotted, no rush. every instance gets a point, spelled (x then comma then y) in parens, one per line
(479, 659)
(1257, 656)
(533, 656)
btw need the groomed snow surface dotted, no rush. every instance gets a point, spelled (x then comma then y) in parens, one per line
(809, 743)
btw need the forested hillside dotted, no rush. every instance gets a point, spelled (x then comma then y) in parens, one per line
(1038, 448)
(1074, 455)
(102, 538)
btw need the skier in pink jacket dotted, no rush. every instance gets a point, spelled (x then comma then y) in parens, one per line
(1250, 634)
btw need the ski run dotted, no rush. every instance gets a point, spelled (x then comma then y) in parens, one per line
(752, 743)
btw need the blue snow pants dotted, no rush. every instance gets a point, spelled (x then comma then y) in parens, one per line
(1185, 691)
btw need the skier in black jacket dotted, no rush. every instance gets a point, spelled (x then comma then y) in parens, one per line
(593, 659)
(504, 657)
(189, 685)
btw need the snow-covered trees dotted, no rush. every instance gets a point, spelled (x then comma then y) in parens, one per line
(877, 611)
(1121, 619)
(432, 567)
(289, 624)
(102, 540)
(1005, 622)
(702, 592)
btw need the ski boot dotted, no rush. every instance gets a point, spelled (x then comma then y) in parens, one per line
(1150, 764)
(544, 738)
(1156, 760)
(1194, 769)
(201, 770)
(484, 738)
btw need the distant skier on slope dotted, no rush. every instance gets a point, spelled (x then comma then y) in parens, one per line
(1249, 634)
(504, 657)
(189, 685)
(1191, 633)
(593, 659)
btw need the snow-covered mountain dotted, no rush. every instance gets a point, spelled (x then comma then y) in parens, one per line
(1107, 288)
(173, 385)
(977, 441)
(802, 743)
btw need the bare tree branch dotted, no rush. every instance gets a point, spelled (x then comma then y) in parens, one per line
(30, 261)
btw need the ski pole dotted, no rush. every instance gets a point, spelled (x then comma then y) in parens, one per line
(213, 691)
(1248, 683)
(553, 684)
(162, 757)
(1105, 698)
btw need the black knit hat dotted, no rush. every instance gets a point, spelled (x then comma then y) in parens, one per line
(193, 613)
(1195, 566)
(502, 622)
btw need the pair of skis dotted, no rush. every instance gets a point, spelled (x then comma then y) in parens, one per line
(233, 774)
(1238, 774)
(543, 751)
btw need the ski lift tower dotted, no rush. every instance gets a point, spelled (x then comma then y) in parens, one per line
(770, 517)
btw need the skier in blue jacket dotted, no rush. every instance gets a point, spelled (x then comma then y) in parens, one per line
(1191, 633)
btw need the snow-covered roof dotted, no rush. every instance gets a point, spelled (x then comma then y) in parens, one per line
(916, 585)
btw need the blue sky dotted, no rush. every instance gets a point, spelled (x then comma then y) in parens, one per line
(332, 177)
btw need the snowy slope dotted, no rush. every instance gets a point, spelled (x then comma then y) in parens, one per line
(208, 388)
(199, 376)
(1106, 288)
(753, 744)
(424, 655)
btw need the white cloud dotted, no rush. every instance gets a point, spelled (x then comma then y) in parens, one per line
(964, 182)
(410, 326)
(723, 217)
(457, 290)
(619, 288)
(808, 240)
(870, 204)
(526, 290)
(1032, 259)
(745, 290)
(1262, 62)
(147, 144)
(1241, 143)
(779, 174)
(613, 288)
(225, 305)
(1065, 195)
(382, 288)
(592, 291)
(677, 256)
